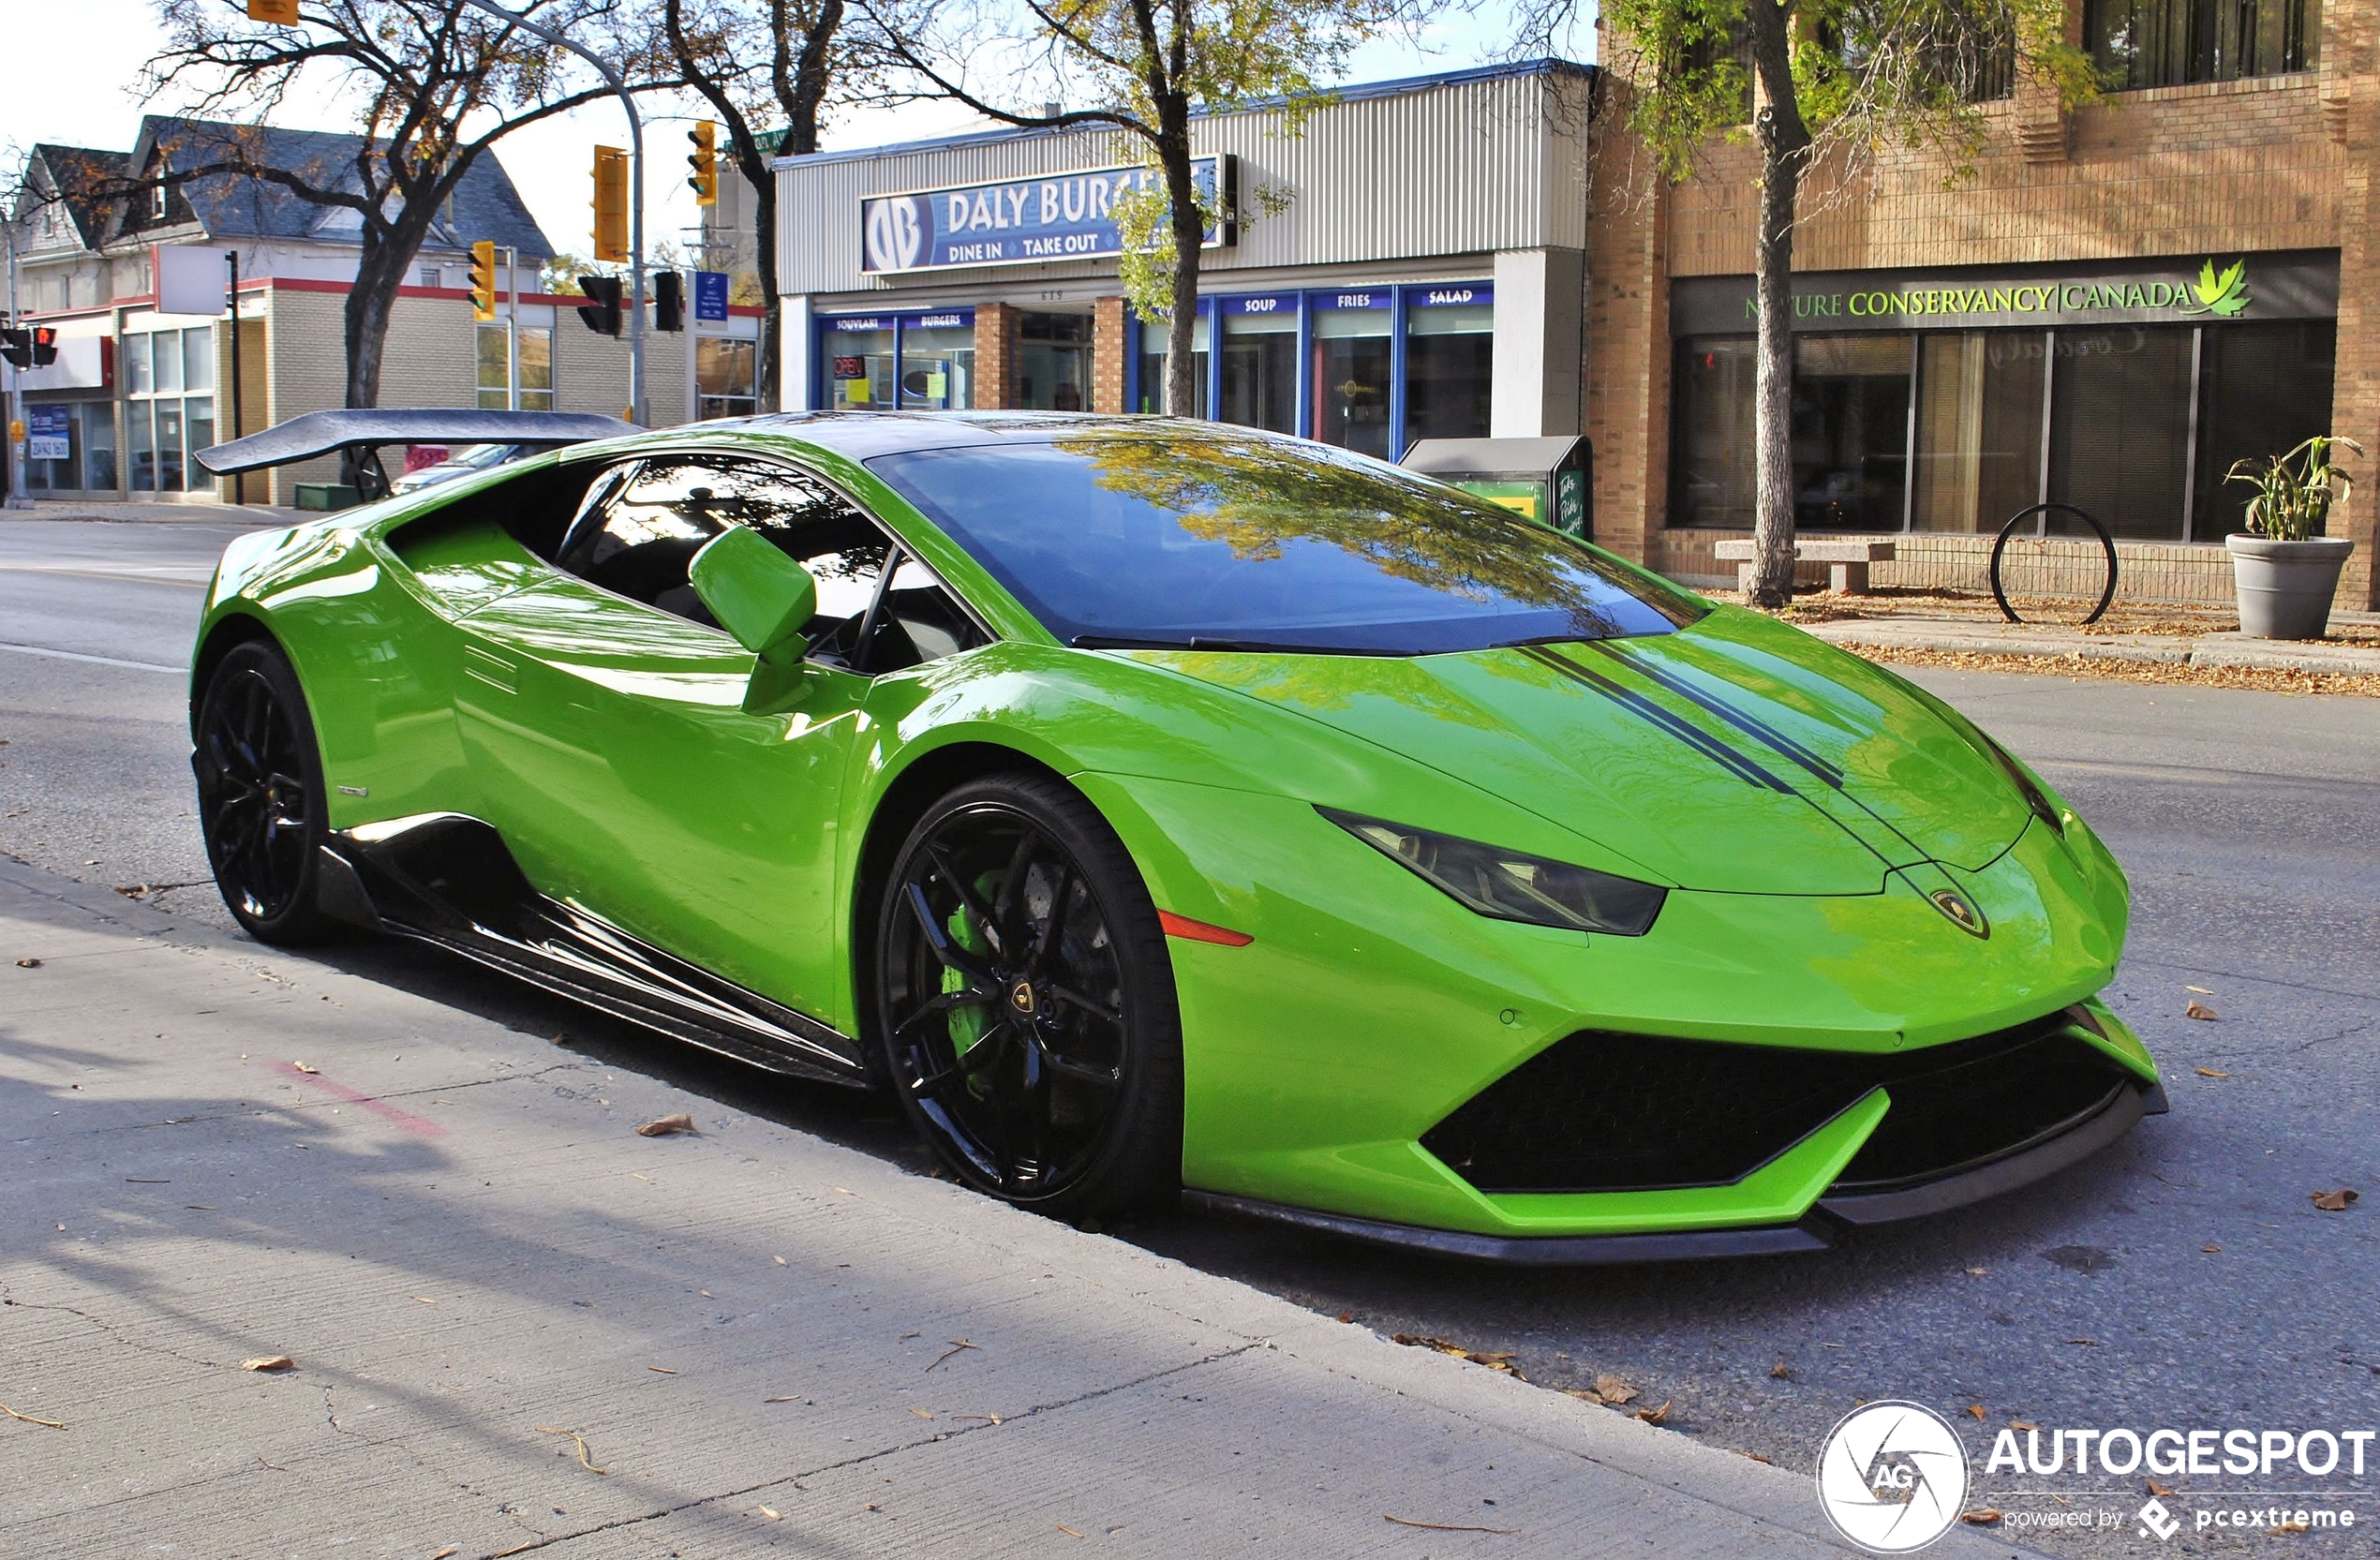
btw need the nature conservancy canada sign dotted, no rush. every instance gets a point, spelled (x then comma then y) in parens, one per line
(2208, 290)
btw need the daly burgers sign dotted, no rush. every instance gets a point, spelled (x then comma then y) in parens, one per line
(1050, 216)
(2200, 290)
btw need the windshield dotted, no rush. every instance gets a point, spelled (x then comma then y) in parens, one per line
(1237, 540)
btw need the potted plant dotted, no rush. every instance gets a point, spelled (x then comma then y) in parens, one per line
(2283, 567)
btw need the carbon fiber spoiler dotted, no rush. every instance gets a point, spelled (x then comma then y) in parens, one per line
(323, 433)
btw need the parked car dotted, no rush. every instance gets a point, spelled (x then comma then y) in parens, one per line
(475, 457)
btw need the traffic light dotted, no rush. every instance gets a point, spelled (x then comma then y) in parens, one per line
(281, 13)
(669, 301)
(484, 280)
(705, 162)
(16, 344)
(611, 203)
(601, 312)
(45, 345)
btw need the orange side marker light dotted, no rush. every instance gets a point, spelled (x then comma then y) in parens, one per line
(1199, 931)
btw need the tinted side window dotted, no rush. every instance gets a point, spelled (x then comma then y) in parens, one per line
(842, 549)
(639, 543)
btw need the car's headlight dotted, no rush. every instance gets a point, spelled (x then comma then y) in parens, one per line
(1508, 885)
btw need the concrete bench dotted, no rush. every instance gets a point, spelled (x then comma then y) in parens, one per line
(1846, 559)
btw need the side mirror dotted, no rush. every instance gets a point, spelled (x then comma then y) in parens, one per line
(763, 599)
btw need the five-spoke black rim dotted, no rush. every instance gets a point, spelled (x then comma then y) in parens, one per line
(1004, 997)
(252, 788)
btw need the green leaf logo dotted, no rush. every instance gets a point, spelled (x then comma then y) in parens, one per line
(2224, 295)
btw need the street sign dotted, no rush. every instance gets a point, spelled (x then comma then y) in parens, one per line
(710, 295)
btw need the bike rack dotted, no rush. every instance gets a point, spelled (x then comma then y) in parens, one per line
(2039, 514)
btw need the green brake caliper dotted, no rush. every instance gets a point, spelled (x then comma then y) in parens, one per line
(967, 1024)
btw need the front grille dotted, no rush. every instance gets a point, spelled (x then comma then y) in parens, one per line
(1602, 1112)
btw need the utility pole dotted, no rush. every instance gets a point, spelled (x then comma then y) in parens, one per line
(513, 331)
(618, 85)
(18, 499)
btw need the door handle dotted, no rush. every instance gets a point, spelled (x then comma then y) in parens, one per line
(495, 671)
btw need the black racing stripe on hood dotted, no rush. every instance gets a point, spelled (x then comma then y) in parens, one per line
(1750, 725)
(1736, 764)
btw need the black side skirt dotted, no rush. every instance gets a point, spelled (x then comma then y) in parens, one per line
(1815, 1231)
(448, 879)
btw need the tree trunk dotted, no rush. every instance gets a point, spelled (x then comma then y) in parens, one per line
(1189, 236)
(772, 319)
(1772, 379)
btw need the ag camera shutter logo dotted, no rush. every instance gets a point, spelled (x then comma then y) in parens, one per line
(1892, 1476)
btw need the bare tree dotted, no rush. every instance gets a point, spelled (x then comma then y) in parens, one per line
(437, 84)
(751, 61)
(1150, 66)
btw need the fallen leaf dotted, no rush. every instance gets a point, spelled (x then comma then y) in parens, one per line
(705, 1294)
(269, 1362)
(1656, 1416)
(1346, 1315)
(1583, 1394)
(1068, 1531)
(1978, 1272)
(661, 1126)
(2200, 1010)
(958, 1346)
(1780, 1372)
(772, 1513)
(1443, 1527)
(1615, 1391)
(788, 1398)
(781, 1261)
(873, 1506)
(1981, 1516)
(577, 1440)
(1756, 1457)
(1976, 1410)
(2160, 1491)
(29, 1418)
(2209, 1072)
(660, 1370)
(2286, 1527)
(2200, 990)
(304, 1068)
(28, 964)
(2211, 1248)
(2086, 1343)
(2022, 1424)
(2335, 1202)
(994, 1417)
(442, 1554)
(425, 1300)
(921, 1413)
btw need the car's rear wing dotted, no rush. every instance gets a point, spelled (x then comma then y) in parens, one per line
(323, 432)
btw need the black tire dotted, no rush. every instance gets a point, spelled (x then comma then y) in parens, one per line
(261, 808)
(1045, 1071)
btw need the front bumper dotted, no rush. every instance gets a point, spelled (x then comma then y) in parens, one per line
(1817, 1228)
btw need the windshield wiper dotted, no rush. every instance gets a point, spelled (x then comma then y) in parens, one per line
(1203, 641)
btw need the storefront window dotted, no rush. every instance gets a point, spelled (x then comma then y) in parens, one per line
(1053, 362)
(859, 365)
(2154, 43)
(95, 421)
(2265, 390)
(1450, 349)
(725, 377)
(2120, 427)
(161, 367)
(1354, 370)
(537, 367)
(938, 362)
(1850, 431)
(72, 446)
(1978, 428)
(1152, 362)
(1260, 361)
(1711, 452)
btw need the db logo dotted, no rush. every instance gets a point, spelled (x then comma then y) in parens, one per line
(894, 233)
(1892, 1477)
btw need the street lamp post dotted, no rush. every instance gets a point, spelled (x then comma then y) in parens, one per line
(635, 195)
(18, 499)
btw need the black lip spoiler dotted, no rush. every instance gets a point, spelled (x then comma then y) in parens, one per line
(323, 433)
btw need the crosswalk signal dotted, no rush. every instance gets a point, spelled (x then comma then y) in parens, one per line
(16, 344)
(281, 13)
(669, 301)
(611, 203)
(705, 162)
(45, 345)
(484, 280)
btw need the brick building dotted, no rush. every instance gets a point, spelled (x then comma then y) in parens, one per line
(1488, 252)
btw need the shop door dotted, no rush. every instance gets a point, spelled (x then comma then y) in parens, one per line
(1354, 369)
(1053, 362)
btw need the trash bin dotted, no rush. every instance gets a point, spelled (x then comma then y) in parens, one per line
(1546, 480)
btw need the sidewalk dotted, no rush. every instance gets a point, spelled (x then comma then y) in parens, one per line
(159, 512)
(1975, 636)
(492, 1287)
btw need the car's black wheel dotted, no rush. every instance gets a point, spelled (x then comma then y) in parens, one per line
(1025, 1005)
(261, 807)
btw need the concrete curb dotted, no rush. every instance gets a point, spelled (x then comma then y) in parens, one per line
(1962, 637)
(478, 1259)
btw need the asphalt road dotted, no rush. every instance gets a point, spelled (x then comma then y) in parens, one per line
(2182, 1278)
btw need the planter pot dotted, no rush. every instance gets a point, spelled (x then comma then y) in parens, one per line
(2284, 588)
